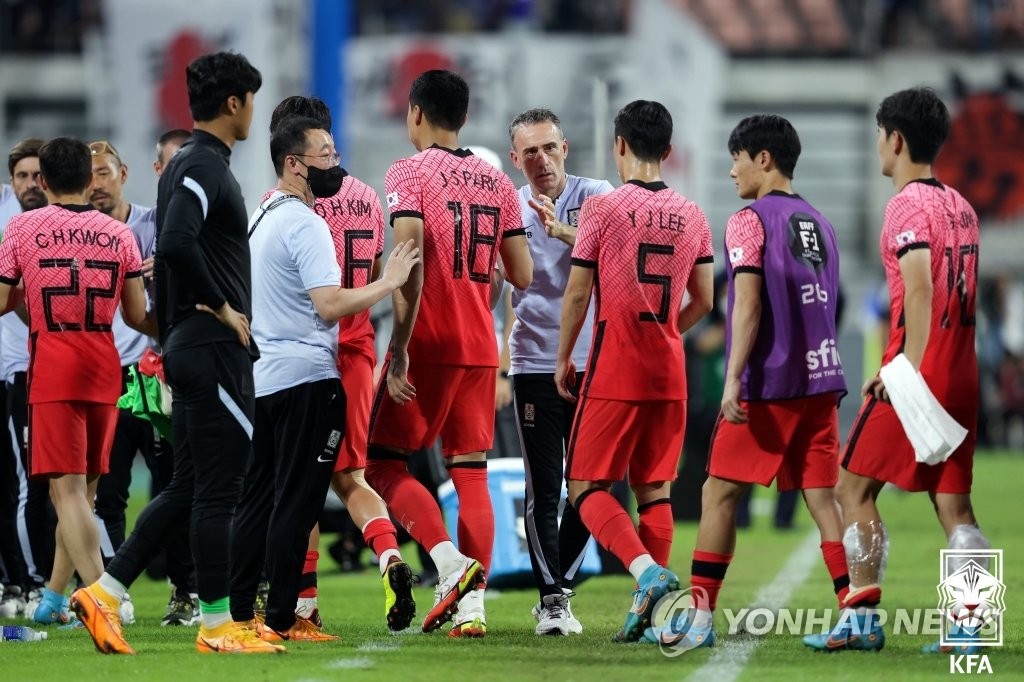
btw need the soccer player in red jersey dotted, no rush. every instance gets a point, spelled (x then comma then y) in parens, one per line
(439, 373)
(929, 248)
(638, 248)
(77, 265)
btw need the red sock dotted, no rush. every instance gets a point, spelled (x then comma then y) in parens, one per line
(380, 536)
(476, 516)
(708, 572)
(408, 501)
(610, 525)
(835, 562)
(307, 583)
(656, 529)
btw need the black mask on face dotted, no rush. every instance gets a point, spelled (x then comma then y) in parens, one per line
(324, 183)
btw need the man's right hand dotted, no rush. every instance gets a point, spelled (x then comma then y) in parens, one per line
(565, 379)
(232, 319)
(399, 388)
(875, 388)
(733, 412)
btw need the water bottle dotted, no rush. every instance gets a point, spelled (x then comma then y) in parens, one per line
(21, 633)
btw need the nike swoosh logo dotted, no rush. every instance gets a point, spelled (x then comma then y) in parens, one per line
(321, 459)
(839, 642)
(641, 608)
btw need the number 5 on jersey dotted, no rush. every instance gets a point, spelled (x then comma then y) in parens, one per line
(664, 281)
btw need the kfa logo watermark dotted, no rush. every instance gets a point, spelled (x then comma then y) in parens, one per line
(972, 601)
(970, 663)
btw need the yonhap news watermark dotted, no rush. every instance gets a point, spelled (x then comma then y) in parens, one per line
(969, 612)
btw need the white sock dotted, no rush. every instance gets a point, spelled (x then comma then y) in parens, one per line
(446, 557)
(702, 618)
(385, 558)
(112, 586)
(212, 620)
(305, 606)
(640, 564)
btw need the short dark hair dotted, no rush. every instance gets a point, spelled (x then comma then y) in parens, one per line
(213, 78)
(66, 165)
(531, 117)
(770, 133)
(290, 138)
(178, 135)
(25, 149)
(646, 127)
(920, 117)
(297, 105)
(442, 96)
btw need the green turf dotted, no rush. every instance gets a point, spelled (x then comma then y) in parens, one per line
(352, 607)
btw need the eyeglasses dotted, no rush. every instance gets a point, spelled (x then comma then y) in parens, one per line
(332, 158)
(104, 147)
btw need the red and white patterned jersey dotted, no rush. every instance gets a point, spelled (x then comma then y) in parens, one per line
(467, 207)
(74, 261)
(744, 241)
(357, 225)
(644, 240)
(928, 214)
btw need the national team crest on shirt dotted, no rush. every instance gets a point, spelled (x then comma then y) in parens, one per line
(529, 412)
(806, 240)
(573, 216)
(735, 254)
(392, 199)
(905, 238)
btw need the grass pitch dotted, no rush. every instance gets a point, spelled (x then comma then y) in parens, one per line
(352, 606)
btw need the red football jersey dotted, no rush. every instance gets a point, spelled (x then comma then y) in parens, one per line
(357, 225)
(927, 214)
(74, 261)
(643, 239)
(467, 207)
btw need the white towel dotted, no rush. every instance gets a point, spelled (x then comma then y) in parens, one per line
(934, 434)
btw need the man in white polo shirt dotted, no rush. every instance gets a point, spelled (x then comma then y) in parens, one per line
(550, 201)
(300, 401)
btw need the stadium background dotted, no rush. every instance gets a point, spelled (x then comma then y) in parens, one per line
(111, 69)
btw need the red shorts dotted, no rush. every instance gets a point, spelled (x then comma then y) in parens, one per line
(70, 437)
(612, 437)
(455, 403)
(357, 380)
(795, 442)
(878, 448)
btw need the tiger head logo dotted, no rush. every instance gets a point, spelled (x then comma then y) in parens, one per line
(971, 598)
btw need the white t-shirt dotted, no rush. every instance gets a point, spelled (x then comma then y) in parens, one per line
(13, 332)
(292, 252)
